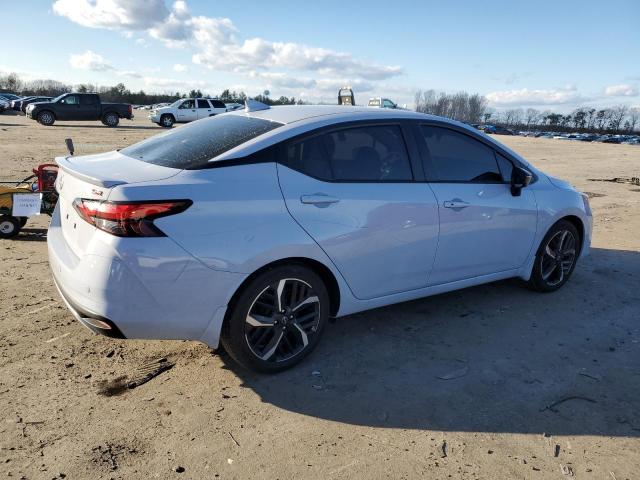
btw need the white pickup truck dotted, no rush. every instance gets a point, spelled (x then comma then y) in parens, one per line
(186, 110)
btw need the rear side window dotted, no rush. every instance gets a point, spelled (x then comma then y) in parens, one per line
(193, 145)
(457, 157)
(373, 153)
(359, 154)
(218, 104)
(203, 104)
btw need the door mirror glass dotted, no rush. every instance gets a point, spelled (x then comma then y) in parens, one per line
(520, 178)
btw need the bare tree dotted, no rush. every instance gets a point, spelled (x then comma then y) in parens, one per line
(634, 118)
(617, 116)
(532, 117)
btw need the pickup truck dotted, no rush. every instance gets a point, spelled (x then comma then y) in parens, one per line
(187, 110)
(79, 106)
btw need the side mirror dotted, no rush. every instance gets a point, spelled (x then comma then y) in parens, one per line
(520, 178)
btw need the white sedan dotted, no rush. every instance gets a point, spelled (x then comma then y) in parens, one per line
(254, 227)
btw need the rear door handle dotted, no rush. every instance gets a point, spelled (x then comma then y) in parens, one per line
(455, 203)
(318, 199)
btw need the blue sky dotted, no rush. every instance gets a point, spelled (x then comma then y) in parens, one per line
(546, 54)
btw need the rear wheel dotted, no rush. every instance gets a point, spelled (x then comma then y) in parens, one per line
(9, 226)
(277, 320)
(46, 118)
(556, 257)
(167, 120)
(111, 119)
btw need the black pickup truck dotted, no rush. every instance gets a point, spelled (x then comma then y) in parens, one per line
(79, 106)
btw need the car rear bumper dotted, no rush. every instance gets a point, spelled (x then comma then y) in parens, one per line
(140, 288)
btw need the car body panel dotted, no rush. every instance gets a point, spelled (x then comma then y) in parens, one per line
(381, 236)
(490, 231)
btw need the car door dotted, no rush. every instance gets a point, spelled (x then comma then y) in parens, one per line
(89, 105)
(68, 107)
(204, 108)
(484, 229)
(352, 190)
(187, 111)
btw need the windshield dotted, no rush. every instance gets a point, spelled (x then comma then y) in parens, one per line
(58, 98)
(193, 145)
(176, 103)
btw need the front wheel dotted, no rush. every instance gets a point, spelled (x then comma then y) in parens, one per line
(167, 121)
(9, 226)
(556, 257)
(277, 319)
(46, 118)
(111, 119)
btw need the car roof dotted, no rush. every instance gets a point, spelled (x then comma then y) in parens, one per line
(287, 114)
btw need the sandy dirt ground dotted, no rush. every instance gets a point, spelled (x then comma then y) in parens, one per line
(492, 382)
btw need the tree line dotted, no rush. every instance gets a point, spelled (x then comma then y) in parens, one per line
(618, 119)
(121, 94)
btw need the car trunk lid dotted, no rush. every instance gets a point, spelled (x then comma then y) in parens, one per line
(93, 177)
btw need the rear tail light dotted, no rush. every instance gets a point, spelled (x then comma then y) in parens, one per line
(128, 219)
(130, 109)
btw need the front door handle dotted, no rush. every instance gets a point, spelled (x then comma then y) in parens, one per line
(455, 203)
(319, 199)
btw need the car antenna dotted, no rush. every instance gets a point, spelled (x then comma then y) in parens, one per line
(69, 143)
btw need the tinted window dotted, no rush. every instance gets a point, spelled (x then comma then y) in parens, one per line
(218, 104)
(89, 99)
(193, 145)
(375, 153)
(203, 104)
(459, 158)
(309, 157)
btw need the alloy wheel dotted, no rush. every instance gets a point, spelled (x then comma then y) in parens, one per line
(282, 320)
(558, 257)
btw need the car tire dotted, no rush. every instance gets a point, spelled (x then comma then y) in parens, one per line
(277, 319)
(167, 120)
(556, 257)
(9, 226)
(111, 119)
(46, 118)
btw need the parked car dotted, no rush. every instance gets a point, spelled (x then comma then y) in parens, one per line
(9, 96)
(496, 130)
(79, 106)
(5, 104)
(17, 103)
(381, 103)
(187, 110)
(253, 228)
(26, 103)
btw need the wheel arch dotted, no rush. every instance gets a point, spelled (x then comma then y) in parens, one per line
(319, 268)
(576, 222)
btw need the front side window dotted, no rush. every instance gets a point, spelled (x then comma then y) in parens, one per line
(457, 157)
(203, 103)
(187, 104)
(388, 104)
(193, 145)
(70, 100)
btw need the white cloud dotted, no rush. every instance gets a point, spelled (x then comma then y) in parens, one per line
(623, 90)
(113, 14)
(525, 96)
(90, 61)
(216, 41)
(178, 67)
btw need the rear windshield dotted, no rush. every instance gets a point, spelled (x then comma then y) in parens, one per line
(192, 146)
